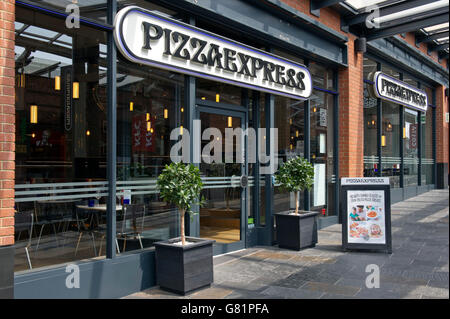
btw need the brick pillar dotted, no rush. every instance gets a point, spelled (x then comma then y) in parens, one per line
(442, 137)
(7, 138)
(351, 115)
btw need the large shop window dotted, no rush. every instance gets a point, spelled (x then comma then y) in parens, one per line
(92, 9)
(150, 104)
(290, 122)
(410, 147)
(60, 141)
(390, 142)
(370, 123)
(321, 147)
(426, 120)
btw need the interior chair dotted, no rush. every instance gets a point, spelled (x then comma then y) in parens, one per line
(43, 217)
(130, 225)
(24, 221)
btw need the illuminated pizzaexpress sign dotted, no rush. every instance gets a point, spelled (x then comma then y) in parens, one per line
(147, 38)
(388, 88)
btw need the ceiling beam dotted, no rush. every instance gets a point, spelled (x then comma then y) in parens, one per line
(406, 27)
(439, 47)
(316, 5)
(414, 17)
(47, 69)
(443, 55)
(429, 38)
(384, 11)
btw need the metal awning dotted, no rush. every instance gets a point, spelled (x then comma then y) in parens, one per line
(374, 19)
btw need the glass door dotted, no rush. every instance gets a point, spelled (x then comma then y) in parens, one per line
(222, 166)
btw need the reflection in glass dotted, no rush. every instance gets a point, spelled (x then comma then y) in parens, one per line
(370, 134)
(426, 121)
(150, 104)
(410, 147)
(60, 141)
(390, 142)
(218, 92)
(289, 120)
(321, 146)
(220, 217)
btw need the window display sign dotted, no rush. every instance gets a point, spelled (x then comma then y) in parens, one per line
(389, 88)
(147, 38)
(366, 213)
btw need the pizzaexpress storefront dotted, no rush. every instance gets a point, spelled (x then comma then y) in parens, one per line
(103, 105)
(399, 128)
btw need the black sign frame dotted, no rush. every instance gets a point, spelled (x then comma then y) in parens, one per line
(387, 247)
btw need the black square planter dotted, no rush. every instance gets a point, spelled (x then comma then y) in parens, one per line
(182, 269)
(296, 231)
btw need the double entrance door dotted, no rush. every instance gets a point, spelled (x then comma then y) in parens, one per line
(223, 216)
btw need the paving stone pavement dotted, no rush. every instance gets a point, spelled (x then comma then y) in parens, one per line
(417, 268)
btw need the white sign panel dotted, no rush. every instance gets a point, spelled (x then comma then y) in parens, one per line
(366, 217)
(365, 181)
(319, 184)
(389, 88)
(146, 38)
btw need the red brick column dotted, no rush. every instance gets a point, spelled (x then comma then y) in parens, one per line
(351, 115)
(7, 122)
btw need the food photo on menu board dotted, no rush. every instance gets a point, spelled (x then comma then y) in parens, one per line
(366, 217)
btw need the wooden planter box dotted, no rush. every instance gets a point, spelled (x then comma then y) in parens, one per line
(184, 269)
(296, 231)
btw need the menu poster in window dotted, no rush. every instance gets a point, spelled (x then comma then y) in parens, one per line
(366, 213)
(413, 136)
(142, 135)
(323, 117)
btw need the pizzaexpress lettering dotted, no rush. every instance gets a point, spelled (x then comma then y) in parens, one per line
(186, 47)
(399, 91)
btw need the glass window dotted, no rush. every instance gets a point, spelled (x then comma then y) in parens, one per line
(426, 120)
(370, 66)
(390, 142)
(288, 56)
(213, 91)
(410, 147)
(321, 146)
(389, 71)
(370, 134)
(60, 141)
(289, 120)
(321, 76)
(150, 104)
(92, 9)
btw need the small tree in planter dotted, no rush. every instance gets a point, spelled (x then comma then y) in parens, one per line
(181, 185)
(296, 231)
(296, 175)
(189, 266)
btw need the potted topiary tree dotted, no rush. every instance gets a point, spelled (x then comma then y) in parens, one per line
(183, 264)
(296, 229)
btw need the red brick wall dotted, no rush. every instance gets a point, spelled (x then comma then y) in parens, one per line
(442, 128)
(7, 122)
(351, 116)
